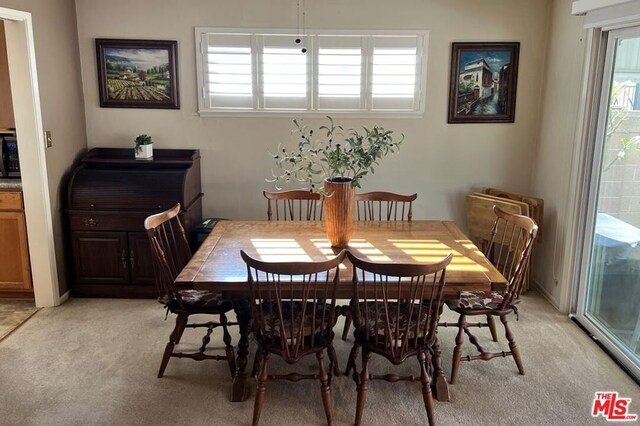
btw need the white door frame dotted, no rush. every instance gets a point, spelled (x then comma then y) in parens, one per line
(33, 163)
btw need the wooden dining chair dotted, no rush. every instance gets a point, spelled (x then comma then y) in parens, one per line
(396, 326)
(294, 205)
(382, 206)
(509, 249)
(293, 316)
(170, 253)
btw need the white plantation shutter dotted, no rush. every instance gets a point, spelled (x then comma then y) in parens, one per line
(350, 72)
(285, 71)
(229, 71)
(395, 72)
(340, 73)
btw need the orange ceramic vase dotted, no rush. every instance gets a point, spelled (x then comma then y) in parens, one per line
(339, 206)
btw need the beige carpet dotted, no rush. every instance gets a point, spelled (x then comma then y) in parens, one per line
(94, 362)
(13, 313)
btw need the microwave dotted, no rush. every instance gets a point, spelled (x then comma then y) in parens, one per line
(9, 161)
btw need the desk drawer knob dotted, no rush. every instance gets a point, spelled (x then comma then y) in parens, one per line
(91, 222)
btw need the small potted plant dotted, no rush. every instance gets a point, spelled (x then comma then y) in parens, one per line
(333, 161)
(144, 147)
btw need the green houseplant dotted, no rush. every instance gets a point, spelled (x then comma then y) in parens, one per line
(333, 161)
(144, 147)
(332, 154)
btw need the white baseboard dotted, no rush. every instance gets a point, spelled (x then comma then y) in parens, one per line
(540, 289)
(64, 297)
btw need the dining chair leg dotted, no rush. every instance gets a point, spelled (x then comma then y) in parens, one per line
(515, 351)
(180, 331)
(351, 363)
(362, 386)
(181, 323)
(347, 326)
(325, 388)
(425, 379)
(492, 328)
(261, 389)
(334, 370)
(230, 352)
(457, 351)
(257, 362)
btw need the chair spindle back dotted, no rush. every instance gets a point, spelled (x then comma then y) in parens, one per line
(293, 303)
(169, 249)
(384, 206)
(509, 249)
(294, 205)
(396, 324)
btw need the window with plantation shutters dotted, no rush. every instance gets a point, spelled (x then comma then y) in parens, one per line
(227, 71)
(393, 73)
(284, 74)
(266, 72)
(340, 68)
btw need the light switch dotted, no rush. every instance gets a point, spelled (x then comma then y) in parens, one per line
(48, 139)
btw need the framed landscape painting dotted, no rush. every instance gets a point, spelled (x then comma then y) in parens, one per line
(138, 73)
(482, 87)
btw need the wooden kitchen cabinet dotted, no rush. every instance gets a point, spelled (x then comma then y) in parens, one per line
(6, 104)
(15, 269)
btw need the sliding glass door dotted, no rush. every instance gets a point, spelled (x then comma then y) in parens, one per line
(609, 303)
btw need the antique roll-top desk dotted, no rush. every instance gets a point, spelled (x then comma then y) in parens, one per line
(109, 196)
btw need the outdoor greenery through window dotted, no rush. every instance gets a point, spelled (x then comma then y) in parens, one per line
(266, 72)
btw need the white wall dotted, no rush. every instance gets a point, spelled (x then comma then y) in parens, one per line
(58, 64)
(552, 167)
(440, 162)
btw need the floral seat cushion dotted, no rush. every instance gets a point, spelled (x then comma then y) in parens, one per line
(377, 320)
(292, 313)
(477, 300)
(201, 298)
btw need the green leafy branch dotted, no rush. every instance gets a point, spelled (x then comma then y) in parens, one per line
(336, 155)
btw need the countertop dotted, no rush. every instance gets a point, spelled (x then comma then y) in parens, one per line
(10, 184)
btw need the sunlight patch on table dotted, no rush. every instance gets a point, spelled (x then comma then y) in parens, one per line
(419, 244)
(285, 258)
(274, 242)
(466, 267)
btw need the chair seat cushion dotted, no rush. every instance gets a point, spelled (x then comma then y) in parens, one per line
(292, 317)
(201, 298)
(477, 300)
(378, 319)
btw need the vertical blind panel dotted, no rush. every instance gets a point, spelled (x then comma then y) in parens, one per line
(229, 79)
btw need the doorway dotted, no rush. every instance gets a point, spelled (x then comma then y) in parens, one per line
(609, 287)
(28, 118)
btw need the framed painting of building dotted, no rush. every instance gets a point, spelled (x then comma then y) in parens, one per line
(137, 73)
(482, 87)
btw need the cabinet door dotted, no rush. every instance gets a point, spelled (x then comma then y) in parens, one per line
(140, 259)
(15, 270)
(100, 257)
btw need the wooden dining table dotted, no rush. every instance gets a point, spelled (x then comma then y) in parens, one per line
(217, 266)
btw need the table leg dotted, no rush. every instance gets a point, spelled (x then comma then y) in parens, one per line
(241, 385)
(440, 385)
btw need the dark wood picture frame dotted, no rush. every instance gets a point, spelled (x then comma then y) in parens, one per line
(138, 73)
(483, 82)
